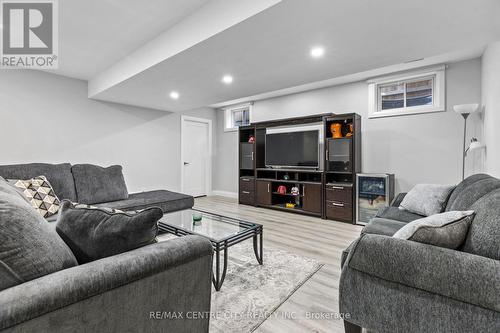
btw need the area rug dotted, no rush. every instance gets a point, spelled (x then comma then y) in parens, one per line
(251, 292)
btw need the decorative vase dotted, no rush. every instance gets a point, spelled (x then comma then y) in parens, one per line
(336, 130)
(281, 189)
(197, 217)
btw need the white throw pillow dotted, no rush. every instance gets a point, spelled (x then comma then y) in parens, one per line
(427, 199)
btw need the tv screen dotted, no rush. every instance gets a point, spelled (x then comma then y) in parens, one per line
(293, 149)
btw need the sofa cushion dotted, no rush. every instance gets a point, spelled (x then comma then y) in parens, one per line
(484, 233)
(166, 200)
(381, 226)
(95, 184)
(447, 229)
(460, 189)
(59, 176)
(465, 196)
(39, 193)
(93, 233)
(29, 247)
(427, 199)
(394, 213)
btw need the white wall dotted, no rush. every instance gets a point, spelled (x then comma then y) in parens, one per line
(491, 104)
(417, 148)
(48, 118)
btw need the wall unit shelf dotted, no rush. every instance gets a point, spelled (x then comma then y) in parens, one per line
(325, 192)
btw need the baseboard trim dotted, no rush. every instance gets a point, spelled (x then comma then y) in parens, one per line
(226, 194)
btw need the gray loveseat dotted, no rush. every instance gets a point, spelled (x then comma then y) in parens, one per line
(143, 290)
(395, 285)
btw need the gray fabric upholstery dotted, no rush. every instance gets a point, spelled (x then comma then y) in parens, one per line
(398, 199)
(95, 184)
(117, 294)
(166, 200)
(380, 226)
(29, 248)
(484, 233)
(59, 176)
(427, 199)
(394, 213)
(437, 270)
(447, 229)
(96, 233)
(461, 190)
(394, 285)
(386, 306)
(465, 198)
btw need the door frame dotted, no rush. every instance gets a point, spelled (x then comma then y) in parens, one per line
(208, 176)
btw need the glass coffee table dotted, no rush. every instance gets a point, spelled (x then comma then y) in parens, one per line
(222, 231)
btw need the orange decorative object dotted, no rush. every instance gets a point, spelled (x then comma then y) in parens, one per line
(336, 130)
(351, 131)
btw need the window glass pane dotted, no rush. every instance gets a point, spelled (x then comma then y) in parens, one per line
(392, 96)
(246, 117)
(419, 92)
(241, 117)
(237, 118)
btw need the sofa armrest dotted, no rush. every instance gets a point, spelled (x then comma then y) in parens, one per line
(458, 275)
(398, 199)
(62, 289)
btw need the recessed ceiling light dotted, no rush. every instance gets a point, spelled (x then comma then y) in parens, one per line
(227, 79)
(317, 52)
(174, 95)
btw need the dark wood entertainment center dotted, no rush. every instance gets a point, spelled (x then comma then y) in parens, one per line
(327, 193)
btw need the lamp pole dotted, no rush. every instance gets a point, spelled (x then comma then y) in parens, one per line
(465, 115)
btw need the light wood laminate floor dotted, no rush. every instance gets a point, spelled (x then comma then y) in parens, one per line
(323, 240)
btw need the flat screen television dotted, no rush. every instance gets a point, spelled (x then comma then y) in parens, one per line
(298, 149)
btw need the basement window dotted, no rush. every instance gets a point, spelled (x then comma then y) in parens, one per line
(410, 93)
(235, 117)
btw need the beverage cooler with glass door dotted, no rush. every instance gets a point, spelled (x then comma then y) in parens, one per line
(373, 191)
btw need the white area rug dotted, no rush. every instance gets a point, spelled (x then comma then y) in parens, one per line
(252, 292)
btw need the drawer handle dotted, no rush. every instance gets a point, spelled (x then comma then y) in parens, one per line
(245, 179)
(337, 204)
(337, 188)
(245, 192)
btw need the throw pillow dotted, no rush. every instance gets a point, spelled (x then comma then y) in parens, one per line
(29, 247)
(95, 184)
(93, 233)
(444, 230)
(39, 193)
(427, 199)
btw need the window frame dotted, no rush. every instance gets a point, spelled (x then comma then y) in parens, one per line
(438, 92)
(229, 116)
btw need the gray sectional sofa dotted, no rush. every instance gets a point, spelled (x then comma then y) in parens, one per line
(63, 180)
(394, 285)
(136, 291)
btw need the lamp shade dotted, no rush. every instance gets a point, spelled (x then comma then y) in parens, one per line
(466, 108)
(476, 145)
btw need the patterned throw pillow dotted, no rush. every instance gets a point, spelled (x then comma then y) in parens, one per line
(39, 193)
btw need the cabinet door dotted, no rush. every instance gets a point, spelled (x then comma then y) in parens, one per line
(246, 156)
(312, 198)
(264, 193)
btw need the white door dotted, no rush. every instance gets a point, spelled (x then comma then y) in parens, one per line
(196, 146)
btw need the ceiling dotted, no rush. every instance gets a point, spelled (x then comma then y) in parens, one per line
(265, 48)
(95, 34)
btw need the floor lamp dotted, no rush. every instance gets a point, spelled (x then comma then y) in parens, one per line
(465, 110)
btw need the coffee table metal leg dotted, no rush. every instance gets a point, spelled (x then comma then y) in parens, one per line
(218, 277)
(258, 252)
